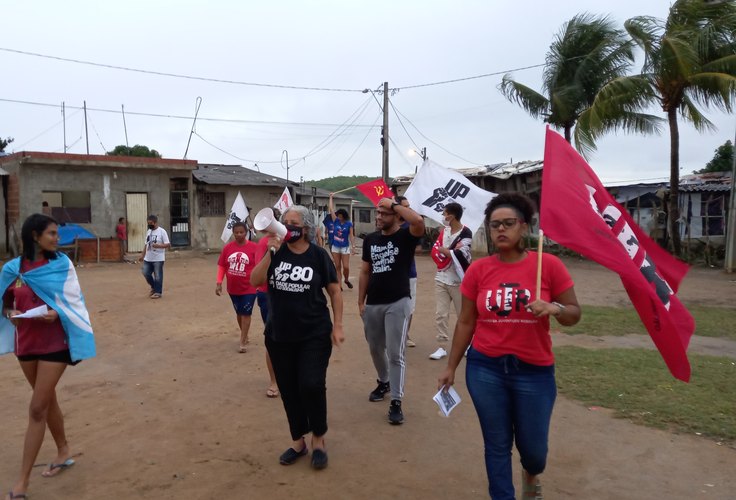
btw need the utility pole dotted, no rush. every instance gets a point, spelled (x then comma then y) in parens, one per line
(63, 119)
(384, 134)
(125, 127)
(730, 263)
(86, 135)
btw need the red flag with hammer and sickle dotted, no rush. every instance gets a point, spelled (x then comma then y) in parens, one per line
(375, 190)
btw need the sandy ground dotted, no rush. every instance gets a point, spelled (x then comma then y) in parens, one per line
(170, 410)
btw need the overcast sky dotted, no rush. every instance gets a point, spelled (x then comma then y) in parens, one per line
(327, 44)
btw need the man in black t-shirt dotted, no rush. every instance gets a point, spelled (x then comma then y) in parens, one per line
(384, 297)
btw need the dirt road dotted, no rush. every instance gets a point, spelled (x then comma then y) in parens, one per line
(170, 410)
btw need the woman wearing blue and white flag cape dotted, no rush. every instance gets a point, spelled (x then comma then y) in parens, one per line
(46, 324)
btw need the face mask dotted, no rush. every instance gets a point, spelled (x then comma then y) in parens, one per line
(446, 222)
(293, 233)
(150, 226)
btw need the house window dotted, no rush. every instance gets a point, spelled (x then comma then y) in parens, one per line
(712, 208)
(68, 206)
(211, 204)
(364, 215)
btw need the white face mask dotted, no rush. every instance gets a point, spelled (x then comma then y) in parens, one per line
(446, 222)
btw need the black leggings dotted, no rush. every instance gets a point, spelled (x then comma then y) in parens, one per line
(301, 371)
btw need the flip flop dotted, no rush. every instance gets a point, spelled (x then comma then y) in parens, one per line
(272, 393)
(56, 469)
(16, 496)
(350, 285)
(242, 349)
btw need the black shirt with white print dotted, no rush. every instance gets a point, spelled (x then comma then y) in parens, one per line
(390, 257)
(298, 306)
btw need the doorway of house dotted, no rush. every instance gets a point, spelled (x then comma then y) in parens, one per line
(136, 213)
(179, 205)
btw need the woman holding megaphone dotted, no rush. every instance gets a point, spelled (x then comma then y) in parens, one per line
(299, 331)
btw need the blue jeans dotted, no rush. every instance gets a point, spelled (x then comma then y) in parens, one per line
(154, 274)
(514, 403)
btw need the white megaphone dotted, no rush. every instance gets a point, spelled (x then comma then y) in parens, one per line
(265, 221)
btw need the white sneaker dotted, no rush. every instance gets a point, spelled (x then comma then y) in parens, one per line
(438, 354)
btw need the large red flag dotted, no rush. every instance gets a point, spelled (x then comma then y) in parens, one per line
(577, 212)
(375, 190)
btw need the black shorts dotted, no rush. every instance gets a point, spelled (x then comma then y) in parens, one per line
(54, 357)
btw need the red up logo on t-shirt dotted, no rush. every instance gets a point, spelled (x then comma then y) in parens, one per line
(508, 297)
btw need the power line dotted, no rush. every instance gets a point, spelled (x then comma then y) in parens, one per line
(179, 117)
(402, 125)
(256, 84)
(485, 75)
(175, 75)
(349, 122)
(359, 145)
(430, 140)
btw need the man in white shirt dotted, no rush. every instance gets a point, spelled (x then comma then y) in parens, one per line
(154, 255)
(451, 253)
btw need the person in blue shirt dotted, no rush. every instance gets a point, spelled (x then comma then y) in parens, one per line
(343, 241)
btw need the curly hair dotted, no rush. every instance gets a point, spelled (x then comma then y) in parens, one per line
(520, 203)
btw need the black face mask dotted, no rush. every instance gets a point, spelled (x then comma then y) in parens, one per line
(293, 233)
(150, 226)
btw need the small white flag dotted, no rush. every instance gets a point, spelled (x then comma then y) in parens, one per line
(435, 186)
(238, 213)
(284, 202)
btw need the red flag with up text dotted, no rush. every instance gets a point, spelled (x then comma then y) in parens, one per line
(577, 212)
(375, 190)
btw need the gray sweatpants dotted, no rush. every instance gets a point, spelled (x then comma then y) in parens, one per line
(385, 328)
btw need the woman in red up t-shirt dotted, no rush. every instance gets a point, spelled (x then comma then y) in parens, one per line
(510, 367)
(42, 350)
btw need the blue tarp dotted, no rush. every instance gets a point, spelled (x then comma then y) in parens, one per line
(68, 232)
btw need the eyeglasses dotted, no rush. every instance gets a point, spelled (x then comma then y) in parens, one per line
(507, 223)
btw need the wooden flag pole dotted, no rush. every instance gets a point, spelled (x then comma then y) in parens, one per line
(540, 247)
(343, 190)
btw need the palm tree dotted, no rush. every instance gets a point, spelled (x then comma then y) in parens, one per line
(587, 52)
(689, 61)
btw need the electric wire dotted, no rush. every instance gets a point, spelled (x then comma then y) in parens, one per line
(357, 148)
(175, 75)
(436, 144)
(402, 125)
(178, 117)
(267, 85)
(400, 153)
(20, 146)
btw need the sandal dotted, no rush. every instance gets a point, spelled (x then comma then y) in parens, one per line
(530, 491)
(16, 496)
(56, 469)
(242, 349)
(350, 285)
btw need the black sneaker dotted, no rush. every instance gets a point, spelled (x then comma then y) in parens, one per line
(379, 391)
(395, 415)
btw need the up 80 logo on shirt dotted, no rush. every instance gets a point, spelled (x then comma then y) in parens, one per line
(292, 278)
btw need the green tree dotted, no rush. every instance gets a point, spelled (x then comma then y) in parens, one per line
(587, 52)
(136, 150)
(689, 64)
(4, 143)
(722, 160)
(339, 182)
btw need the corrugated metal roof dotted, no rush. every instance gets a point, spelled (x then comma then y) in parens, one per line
(235, 175)
(697, 188)
(497, 170)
